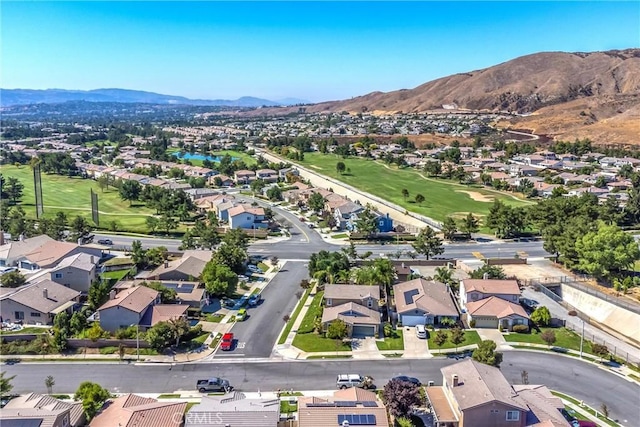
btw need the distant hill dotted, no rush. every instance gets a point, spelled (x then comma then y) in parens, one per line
(9, 97)
(567, 95)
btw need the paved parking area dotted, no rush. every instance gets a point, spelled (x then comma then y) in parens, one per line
(414, 346)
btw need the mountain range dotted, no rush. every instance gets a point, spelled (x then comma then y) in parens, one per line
(558, 94)
(11, 97)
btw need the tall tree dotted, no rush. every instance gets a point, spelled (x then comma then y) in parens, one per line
(14, 189)
(449, 227)
(486, 353)
(469, 225)
(427, 243)
(316, 202)
(366, 222)
(92, 396)
(607, 251)
(401, 397)
(405, 193)
(5, 384)
(457, 337)
(419, 199)
(130, 190)
(219, 279)
(340, 167)
(12, 279)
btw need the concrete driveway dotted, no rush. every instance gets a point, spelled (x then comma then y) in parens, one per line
(413, 346)
(494, 335)
(365, 348)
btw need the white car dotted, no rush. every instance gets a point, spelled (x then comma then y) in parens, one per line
(421, 331)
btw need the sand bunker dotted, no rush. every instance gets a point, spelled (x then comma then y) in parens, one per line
(478, 197)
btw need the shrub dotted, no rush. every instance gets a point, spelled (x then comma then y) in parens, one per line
(472, 323)
(388, 330)
(522, 329)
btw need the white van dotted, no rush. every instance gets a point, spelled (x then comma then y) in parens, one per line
(421, 332)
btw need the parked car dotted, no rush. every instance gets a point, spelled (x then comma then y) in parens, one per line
(227, 342)
(406, 379)
(213, 385)
(105, 242)
(242, 315)
(421, 331)
(354, 380)
(254, 300)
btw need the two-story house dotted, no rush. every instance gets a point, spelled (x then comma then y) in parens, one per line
(492, 303)
(245, 176)
(76, 272)
(355, 305)
(477, 395)
(36, 303)
(267, 175)
(246, 216)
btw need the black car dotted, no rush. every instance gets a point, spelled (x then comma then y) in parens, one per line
(105, 242)
(406, 379)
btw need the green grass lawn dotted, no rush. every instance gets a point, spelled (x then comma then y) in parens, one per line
(442, 197)
(315, 343)
(470, 337)
(71, 196)
(315, 310)
(27, 330)
(287, 408)
(200, 339)
(116, 274)
(264, 267)
(394, 342)
(215, 318)
(293, 317)
(564, 338)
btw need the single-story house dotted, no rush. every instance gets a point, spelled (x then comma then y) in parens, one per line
(223, 180)
(360, 320)
(76, 272)
(39, 302)
(354, 405)
(477, 289)
(192, 294)
(50, 253)
(31, 410)
(234, 410)
(495, 312)
(367, 296)
(132, 410)
(424, 302)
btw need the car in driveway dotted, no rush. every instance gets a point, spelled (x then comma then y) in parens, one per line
(421, 331)
(227, 342)
(407, 379)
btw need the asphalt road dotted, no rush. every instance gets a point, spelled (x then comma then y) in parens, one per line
(582, 380)
(257, 334)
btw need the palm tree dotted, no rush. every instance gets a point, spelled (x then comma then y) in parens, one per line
(443, 275)
(49, 382)
(179, 327)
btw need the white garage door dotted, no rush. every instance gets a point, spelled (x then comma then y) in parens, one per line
(363, 331)
(412, 320)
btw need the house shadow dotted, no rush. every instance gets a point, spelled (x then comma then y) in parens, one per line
(213, 306)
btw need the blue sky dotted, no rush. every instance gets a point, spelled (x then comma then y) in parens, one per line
(314, 51)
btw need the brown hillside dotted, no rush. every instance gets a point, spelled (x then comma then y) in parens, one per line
(556, 85)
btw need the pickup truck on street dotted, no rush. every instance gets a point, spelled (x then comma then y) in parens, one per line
(213, 385)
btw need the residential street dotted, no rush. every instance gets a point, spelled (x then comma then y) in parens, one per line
(565, 374)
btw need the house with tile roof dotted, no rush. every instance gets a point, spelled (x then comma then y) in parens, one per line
(368, 296)
(234, 410)
(244, 176)
(424, 302)
(477, 289)
(132, 410)
(39, 302)
(186, 268)
(41, 410)
(360, 320)
(246, 216)
(127, 307)
(76, 272)
(12, 251)
(354, 405)
(494, 312)
(478, 395)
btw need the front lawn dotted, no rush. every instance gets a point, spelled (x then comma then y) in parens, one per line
(564, 338)
(293, 317)
(470, 337)
(27, 330)
(214, 318)
(264, 267)
(312, 342)
(314, 311)
(394, 342)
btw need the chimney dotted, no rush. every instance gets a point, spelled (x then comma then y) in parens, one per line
(485, 276)
(166, 264)
(93, 260)
(112, 294)
(455, 380)
(45, 293)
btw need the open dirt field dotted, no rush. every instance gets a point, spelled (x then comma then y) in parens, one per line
(534, 270)
(478, 197)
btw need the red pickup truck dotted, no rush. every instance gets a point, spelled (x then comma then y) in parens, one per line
(227, 341)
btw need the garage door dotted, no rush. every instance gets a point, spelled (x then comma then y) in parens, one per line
(412, 320)
(486, 322)
(364, 331)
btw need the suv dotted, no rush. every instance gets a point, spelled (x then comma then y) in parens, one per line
(353, 380)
